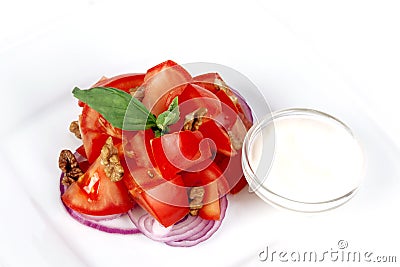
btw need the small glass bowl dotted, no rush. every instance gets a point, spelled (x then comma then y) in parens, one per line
(301, 183)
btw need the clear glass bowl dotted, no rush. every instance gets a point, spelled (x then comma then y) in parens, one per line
(303, 160)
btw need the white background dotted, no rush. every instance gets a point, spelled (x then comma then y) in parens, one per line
(339, 56)
(359, 40)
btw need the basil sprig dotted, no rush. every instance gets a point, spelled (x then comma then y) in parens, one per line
(124, 111)
(168, 117)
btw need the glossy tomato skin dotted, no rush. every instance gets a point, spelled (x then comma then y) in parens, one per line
(242, 183)
(210, 129)
(191, 99)
(124, 82)
(234, 173)
(230, 113)
(162, 83)
(214, 83)
(137, 146)
(198, 97)
(212, 174)
(208, 81)
(211, 210)
(179, 151)
(81, 151)
(95, 194)
(215, 185)
(94, 128)
(166, 202)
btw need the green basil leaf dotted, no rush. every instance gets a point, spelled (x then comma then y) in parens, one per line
(117, 107)
(168, 117)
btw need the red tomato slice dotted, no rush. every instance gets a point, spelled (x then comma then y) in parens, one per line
(215, 186)
(219, 136)
(179, 151)
(232, 169)
(229, 113)
(211, 210)
(137, 146)
(209, 81)
(162, 83)
(95, 194)
(157, 195)
(123, 82)
(198, 97)
(224, 98)
(191, 99)
(239, 186)
(246, 122)
(94, 128)
(212, 174)
(213, 82)
(81, 151)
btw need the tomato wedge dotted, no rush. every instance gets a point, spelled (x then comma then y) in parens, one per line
(162, 83)
(210, 129)
(229, 114)
(215, 186)
(214, 83)
(212, 174)
(232, 169)
(166, 202)
(137, 146)
(179, 151)
(194, 97)
(124, 82)
(94, 128)
(209, 81)
(95, 194)
(211, 210)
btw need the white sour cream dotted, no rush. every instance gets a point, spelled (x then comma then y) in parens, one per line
(316, 158)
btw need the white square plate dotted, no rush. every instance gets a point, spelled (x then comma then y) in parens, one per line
(37, 77)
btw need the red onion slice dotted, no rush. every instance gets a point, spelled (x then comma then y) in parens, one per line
(206, 233)
(246, 108)
(146, 224)
(100, 218)
(188, 232)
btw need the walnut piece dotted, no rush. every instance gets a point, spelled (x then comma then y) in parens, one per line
(110, 160)
(196, 195)
(69, 166)
(74, 128)
(195, 119)
(236, 142)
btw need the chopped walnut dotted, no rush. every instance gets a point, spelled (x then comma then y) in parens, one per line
(74, 128)
(237, 134)
(109, 158)
(236, 142)
(69, 166)
(196, 196)
(195, 119)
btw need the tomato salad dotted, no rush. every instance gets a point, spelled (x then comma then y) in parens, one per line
(162, 148)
